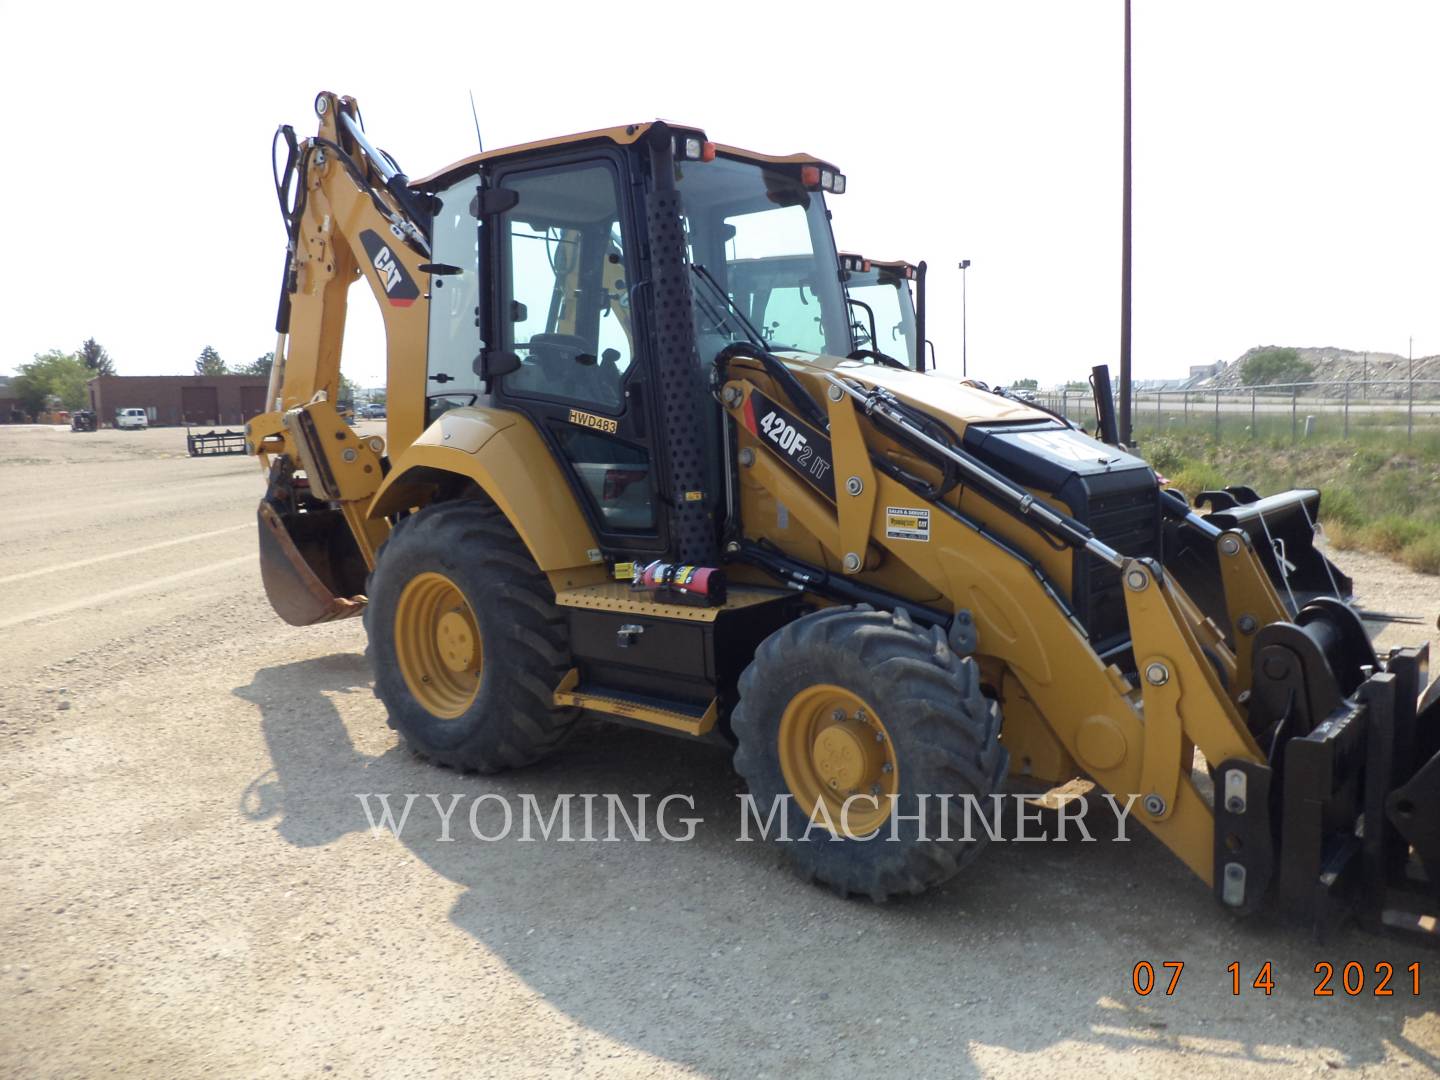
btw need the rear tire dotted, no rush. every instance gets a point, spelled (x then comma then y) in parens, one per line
(918, 696)
(469, 681)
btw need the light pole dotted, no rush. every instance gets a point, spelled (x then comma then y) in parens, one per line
(964, 321)
(1126, 393)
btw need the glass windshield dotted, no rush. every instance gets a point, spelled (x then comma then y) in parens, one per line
(766, 242)
(884, 294)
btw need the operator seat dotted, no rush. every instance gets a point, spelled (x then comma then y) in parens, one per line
(554, 365)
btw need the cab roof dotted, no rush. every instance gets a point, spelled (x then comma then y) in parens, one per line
(624, 135)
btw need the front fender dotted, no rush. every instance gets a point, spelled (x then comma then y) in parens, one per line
(503, 454)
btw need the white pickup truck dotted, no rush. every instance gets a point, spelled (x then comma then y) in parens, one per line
(131, 418)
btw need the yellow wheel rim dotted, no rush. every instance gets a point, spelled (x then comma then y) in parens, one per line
(438, 646)
(833, 747)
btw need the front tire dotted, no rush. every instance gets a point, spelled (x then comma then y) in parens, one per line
(852, 703)
(466, 642)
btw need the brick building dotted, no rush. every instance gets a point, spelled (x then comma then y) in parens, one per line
(200, 400)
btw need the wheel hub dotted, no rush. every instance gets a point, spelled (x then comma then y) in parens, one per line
(438, 645)
(834, 747)
(843, 758)
(455, 642)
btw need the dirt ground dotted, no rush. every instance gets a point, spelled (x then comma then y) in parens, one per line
(188, 883)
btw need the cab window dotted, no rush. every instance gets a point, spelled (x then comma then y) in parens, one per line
(567, 307)
(454, 298)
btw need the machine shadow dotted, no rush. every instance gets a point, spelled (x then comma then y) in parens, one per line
(688, 950)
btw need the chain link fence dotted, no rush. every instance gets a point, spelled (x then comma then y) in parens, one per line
(1356, 410)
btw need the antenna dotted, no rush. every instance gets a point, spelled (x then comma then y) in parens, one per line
(478, 141)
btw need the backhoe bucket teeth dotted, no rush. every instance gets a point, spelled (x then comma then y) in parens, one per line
(1282, 529)
(306, 560)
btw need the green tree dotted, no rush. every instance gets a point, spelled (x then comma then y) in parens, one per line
(347, 391)
(209, 363)
(96, 358)
(1266, 366)
(259, 367)
(1025, 384)
(52, 378)
(31, 391)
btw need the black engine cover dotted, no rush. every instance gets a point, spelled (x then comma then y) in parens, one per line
(1113, 493)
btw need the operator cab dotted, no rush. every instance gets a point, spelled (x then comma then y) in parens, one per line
(884, 315)
(569, 324)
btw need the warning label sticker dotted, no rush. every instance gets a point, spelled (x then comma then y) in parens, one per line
(906, 523)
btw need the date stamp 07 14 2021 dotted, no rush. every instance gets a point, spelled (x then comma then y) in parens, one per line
(1351, 979)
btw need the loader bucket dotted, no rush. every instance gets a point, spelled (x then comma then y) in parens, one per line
(310, 565)
(1282, 530)
(1282, 534)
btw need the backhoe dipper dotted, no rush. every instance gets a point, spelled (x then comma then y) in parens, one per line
(575, 389)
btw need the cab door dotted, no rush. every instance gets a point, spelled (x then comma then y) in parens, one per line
(565, 259)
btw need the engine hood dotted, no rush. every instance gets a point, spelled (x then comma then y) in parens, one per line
(955, 400)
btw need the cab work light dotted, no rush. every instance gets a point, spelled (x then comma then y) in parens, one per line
(695, 148)
(813, 176)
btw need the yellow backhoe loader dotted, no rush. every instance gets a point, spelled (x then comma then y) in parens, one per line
(588, 437)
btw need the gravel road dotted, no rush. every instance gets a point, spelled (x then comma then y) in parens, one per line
(188, 883)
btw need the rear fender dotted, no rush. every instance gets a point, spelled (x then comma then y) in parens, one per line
(503, 455)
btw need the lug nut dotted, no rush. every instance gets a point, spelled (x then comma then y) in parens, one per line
(1157, 674)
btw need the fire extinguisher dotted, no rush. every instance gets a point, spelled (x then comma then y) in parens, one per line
(686, 584)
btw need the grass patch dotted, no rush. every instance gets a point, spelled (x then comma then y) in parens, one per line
(1377, 493)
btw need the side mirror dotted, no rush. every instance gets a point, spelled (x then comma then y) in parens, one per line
(859, 305)
(490, 363)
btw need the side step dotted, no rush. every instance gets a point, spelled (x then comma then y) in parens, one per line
(674, 715)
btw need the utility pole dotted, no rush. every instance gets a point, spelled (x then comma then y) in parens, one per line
(964, 321)
(1124, 425)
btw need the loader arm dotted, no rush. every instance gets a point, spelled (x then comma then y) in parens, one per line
(1302, 727)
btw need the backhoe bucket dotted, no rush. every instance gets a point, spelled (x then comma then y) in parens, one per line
(310, 565)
